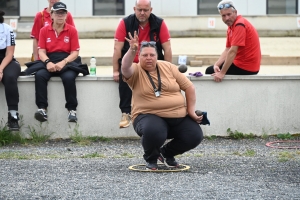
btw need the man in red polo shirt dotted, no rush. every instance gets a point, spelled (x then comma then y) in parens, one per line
(42, 19)
(242, 54)
(149, 28)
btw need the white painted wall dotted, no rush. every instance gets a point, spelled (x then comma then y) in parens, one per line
(160, 7)
(298, 6)
(256, 7)
(258, 104)
(77, 8)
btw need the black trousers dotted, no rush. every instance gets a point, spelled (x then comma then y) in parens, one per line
(233, 70)
(10, 76)
(68, 77)
(185, 133)
(125, 95)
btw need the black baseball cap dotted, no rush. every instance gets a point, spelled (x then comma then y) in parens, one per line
(59, 6)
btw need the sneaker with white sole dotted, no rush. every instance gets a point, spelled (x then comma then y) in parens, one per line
(41, 115)
(12, 122)
(72, 116)
(125, 120)
(151, 166)
(168, 161)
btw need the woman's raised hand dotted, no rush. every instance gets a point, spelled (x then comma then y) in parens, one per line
(133, 41)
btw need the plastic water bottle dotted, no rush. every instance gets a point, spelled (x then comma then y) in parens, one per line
(93, 66)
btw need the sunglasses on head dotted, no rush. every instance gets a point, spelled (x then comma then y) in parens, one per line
(146, 44)
(225, 5)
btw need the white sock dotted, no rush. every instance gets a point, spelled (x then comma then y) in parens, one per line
(13, 113)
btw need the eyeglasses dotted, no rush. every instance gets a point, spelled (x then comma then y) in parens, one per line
(147, 44)
(60, 12)
(140, 10)
(226, 5)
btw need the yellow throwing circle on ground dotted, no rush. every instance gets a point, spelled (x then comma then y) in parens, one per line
(161, 168)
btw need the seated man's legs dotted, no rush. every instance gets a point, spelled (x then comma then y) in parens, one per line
(210, 70)
(153, 130)
(233, 70)
(10, 76)
(68, 78)
(186, 134)
(42, 77)
(125, 95)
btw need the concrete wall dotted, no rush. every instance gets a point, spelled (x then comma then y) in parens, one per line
(181, 26)
(75, 7)
(257, 104)
(160, 7)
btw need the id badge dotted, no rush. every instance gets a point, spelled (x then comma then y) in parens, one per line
(157, 93)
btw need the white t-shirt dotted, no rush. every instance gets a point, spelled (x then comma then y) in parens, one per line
(7, 37)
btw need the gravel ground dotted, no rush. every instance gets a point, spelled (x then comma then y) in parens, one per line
(220, 169)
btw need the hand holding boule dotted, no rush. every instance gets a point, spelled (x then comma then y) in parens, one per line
(182, 68)
(198, 112)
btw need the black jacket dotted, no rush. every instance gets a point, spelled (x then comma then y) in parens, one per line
(132, 24)
(75, 65)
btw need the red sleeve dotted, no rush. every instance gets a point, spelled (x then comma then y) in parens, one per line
(238, 36)
(42, 38)
(70, 20)
(164, 34)
(228, 42)
(121, 32)
(74, 39)
(37, 25)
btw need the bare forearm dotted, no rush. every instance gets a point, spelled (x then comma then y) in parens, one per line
(228, 61)
(35, 49)
(167, 51)
(190, 95)
(222, 58)
(127, 61)
(116, 57)
(73, 55)
(168, 55)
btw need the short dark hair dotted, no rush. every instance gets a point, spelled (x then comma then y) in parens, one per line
(1, 16)
(148, 44)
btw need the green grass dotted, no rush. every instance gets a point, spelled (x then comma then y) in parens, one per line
(211, 137)
(128, 155)
(39, 134)
(264, 136)
(97, 139)
(285, 136)
(285, 156)
(8, 137)
(94, 155)
(239, 135)
(249, 153)
(78, 138)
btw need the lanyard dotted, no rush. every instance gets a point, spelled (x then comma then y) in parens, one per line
(156, 90)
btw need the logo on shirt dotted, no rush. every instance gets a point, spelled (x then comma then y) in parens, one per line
(48, 40)
(66, 39)
(46, 23)
(12, 38)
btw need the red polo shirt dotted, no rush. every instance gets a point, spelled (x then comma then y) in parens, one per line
(143, 34)
(66, 41)
(243, 34)
(46, 18)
